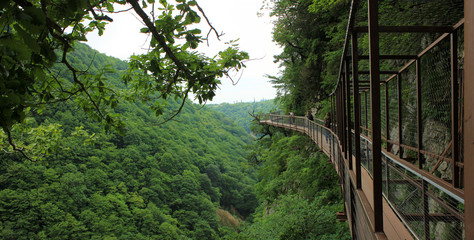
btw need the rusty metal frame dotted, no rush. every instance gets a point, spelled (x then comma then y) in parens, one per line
(366, 113)
(469, 117)
(407, 29)
(387, 115)
(356, 94)
(344, 117)
(348, 116)
(373, 30)
(454, 109)
(419, 113)
(400, 116)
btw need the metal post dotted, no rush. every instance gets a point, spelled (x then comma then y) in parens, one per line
(454, 108)
(387, 125)
(334, 116)
(340, 118)
(366, 114)
(426, 214)
(469, 117)
(331, 111)
(348, 118)
(375, 113)
(387, 171)
(355, 80)
(338, 114)
(344, 121)
(399, 93)
(418, 113)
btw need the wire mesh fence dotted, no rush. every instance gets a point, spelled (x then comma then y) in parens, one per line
(426, 209)
(383, 112)
(409, 113)
(436, 107)
(393, 117)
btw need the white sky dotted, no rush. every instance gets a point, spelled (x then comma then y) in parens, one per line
(237, 19)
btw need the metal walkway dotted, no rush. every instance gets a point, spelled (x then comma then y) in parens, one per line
(407, 169)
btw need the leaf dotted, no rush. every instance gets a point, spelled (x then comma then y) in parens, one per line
(195, 31)
(29, 41)
(110, 7)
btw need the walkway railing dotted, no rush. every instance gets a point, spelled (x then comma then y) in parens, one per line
(402, 137)
(409, 198)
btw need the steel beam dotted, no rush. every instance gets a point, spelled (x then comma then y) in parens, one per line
(418, 113)
(344, 118)
(407, 29)
(366, 113)
(380, 72)
(390, 57)
(454, 109)
(399, 95)
(375, 112)
(355, 81)
(387, 122)
(469, 117)
(426, 213)
(348, 115)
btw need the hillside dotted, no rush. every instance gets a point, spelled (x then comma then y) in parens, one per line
(239, 112)
(298, 189)
(156, 181)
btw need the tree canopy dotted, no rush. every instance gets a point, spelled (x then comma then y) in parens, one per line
(38, 34)
(155, 181)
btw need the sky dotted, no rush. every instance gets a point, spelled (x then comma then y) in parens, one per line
(237, 19)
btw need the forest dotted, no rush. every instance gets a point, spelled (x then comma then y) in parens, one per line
(242, 112)
(154, 181)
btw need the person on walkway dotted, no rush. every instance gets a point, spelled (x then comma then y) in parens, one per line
(309, 115)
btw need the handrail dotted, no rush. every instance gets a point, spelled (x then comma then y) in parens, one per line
(417, 179)
(458, 194)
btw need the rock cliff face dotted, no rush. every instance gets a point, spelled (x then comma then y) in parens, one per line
(436, 139)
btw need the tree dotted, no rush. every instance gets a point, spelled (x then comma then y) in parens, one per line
(39, 34)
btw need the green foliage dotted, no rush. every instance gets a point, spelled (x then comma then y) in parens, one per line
(156, 181)
(296, 218)
(240, 112)
(311, 34)
(37, 34)
(298, 191)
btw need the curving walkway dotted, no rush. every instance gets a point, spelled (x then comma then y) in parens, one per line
(409, 197)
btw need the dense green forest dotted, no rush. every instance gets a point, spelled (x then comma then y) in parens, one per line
(200, 176)
(159, 181)
(240, 112)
